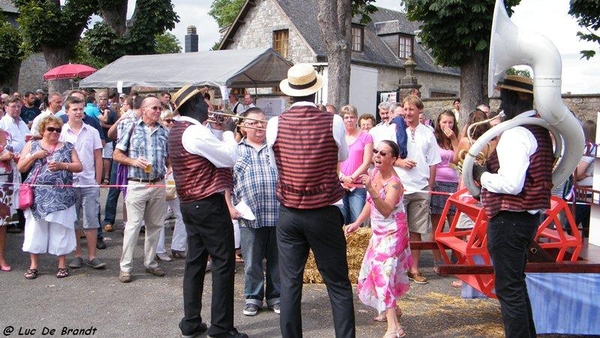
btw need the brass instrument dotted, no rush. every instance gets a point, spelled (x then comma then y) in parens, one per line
(220, 118)
(510, 46)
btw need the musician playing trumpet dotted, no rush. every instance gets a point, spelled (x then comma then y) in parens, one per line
(516, 183)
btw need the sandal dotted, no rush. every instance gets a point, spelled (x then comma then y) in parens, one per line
(436, 269)
(62, 273)
(457, 283)
(5, 268)
(31, 273)
(105, 181)
(382, 318)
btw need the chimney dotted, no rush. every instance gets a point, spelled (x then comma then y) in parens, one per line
(191, 40)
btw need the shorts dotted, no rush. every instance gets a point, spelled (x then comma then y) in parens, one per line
(417, 210)
(438, 201)
(87, 204)
(107, 151)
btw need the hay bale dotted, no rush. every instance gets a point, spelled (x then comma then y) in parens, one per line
(356, 245)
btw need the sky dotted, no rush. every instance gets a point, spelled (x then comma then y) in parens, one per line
(549, 18)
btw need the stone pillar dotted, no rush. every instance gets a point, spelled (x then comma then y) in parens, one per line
(191, 40)
(409, 82)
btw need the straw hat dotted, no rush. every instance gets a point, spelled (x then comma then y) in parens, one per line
(185, 93)
(517, 83)
(302, 80)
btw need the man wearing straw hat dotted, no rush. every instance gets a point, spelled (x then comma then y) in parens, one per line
(306, 146)
(202, 160)
(515, 188)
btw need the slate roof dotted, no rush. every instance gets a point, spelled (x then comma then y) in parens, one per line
(8, 7)
(376, 52)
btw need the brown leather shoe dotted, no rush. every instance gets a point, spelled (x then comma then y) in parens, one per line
(108, 227)
(158, 272)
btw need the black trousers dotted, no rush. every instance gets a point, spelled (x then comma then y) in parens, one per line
(210, 232)
(510, 235)
(320, 229)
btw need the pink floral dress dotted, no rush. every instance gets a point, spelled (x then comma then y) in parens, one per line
(382, 279)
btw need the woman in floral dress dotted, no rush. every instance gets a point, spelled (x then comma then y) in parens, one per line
(382, 279)
(9, 180)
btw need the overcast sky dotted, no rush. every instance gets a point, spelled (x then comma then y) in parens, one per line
(549, 18)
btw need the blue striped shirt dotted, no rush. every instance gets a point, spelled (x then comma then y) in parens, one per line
(255, 182)
(150, 144)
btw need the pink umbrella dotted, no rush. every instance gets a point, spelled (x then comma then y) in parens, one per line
(69, 71)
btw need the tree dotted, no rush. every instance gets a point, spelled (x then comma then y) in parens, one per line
(587, 13)
(457, 32)
(56, 28)
(225, 11)
(166, 43)
(10, 53)
(335, 23)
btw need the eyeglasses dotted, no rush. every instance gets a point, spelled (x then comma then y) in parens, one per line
(53, 130)
(254, 123)
(380, 152)
(169, 120)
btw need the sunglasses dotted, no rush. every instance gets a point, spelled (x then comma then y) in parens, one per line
(380, 152)
(54, 130)
(169, 120)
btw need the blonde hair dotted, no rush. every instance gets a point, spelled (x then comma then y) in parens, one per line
(48, 120)
(348, 109)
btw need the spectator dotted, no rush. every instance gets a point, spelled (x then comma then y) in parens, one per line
(107, 118)
(360, 153)
(29, 111)
(456, 109)
(50, 221)
(86, 141)
(384, 130)
(417, 173)
(54, 106)
(382, 279)
(446, 179)
(248, 101)
(254, 183)
(91, 109)
(10, 183)
(366, 122)
(236, 106)
(142, 146)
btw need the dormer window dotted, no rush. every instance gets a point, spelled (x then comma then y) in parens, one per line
(405, 46)
(358, 38)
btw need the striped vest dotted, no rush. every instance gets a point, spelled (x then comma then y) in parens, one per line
(195, 176)
(307, 156)
(538, 180)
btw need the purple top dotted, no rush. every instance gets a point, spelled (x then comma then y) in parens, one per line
(443, 171)
(356, 152)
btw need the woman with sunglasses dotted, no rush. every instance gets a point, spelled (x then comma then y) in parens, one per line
(383, 279)
(50, 222)
(179, 240)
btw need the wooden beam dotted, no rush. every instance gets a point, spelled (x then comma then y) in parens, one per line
(423, 245)
(545, 267)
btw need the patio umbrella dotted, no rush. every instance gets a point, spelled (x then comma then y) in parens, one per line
(69, 71)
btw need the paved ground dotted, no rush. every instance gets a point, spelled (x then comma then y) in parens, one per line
(94, 300)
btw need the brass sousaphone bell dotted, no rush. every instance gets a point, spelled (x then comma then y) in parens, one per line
(510, 46)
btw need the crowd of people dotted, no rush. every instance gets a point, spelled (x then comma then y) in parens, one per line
(304, 180)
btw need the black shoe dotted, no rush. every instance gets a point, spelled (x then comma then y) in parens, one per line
(100, 245)
(13, 230)
(233, 333)
(201, 329)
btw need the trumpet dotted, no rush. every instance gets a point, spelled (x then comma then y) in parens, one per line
(221, 118)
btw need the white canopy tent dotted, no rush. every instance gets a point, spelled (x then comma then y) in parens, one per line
(235, 68)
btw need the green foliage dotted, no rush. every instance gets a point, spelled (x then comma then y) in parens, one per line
(46, 22)
(587, 13)
(10, 53)
(520, 72)
(225, 11)
(363, 8)
(103, 43)
(166, 43)
(454, 30)
(152, 17)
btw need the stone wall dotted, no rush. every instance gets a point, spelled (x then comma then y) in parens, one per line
(585, 106)
(389, 79)
(31, 74)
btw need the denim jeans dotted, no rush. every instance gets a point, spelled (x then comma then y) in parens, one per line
(110, 208)
(510, 235)
(259, 244)
(354, 202)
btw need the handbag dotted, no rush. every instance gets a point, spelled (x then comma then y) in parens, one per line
(26, 193)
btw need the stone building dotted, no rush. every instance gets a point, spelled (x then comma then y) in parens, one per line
(380, 49)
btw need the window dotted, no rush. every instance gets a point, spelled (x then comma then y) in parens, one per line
(281, 41)
(405, 46)
(357, 39)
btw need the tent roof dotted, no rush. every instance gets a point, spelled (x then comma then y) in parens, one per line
(239, 68)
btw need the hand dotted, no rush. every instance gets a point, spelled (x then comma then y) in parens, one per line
(234, 214)
(56, 166)
(449, 133)
(40, 154)
(408, 164)
(141, 163)
(478, 170)
(350, 228)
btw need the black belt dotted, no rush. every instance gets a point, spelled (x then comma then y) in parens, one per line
(142, 180)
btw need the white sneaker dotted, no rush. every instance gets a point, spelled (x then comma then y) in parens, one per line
(163, 257)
